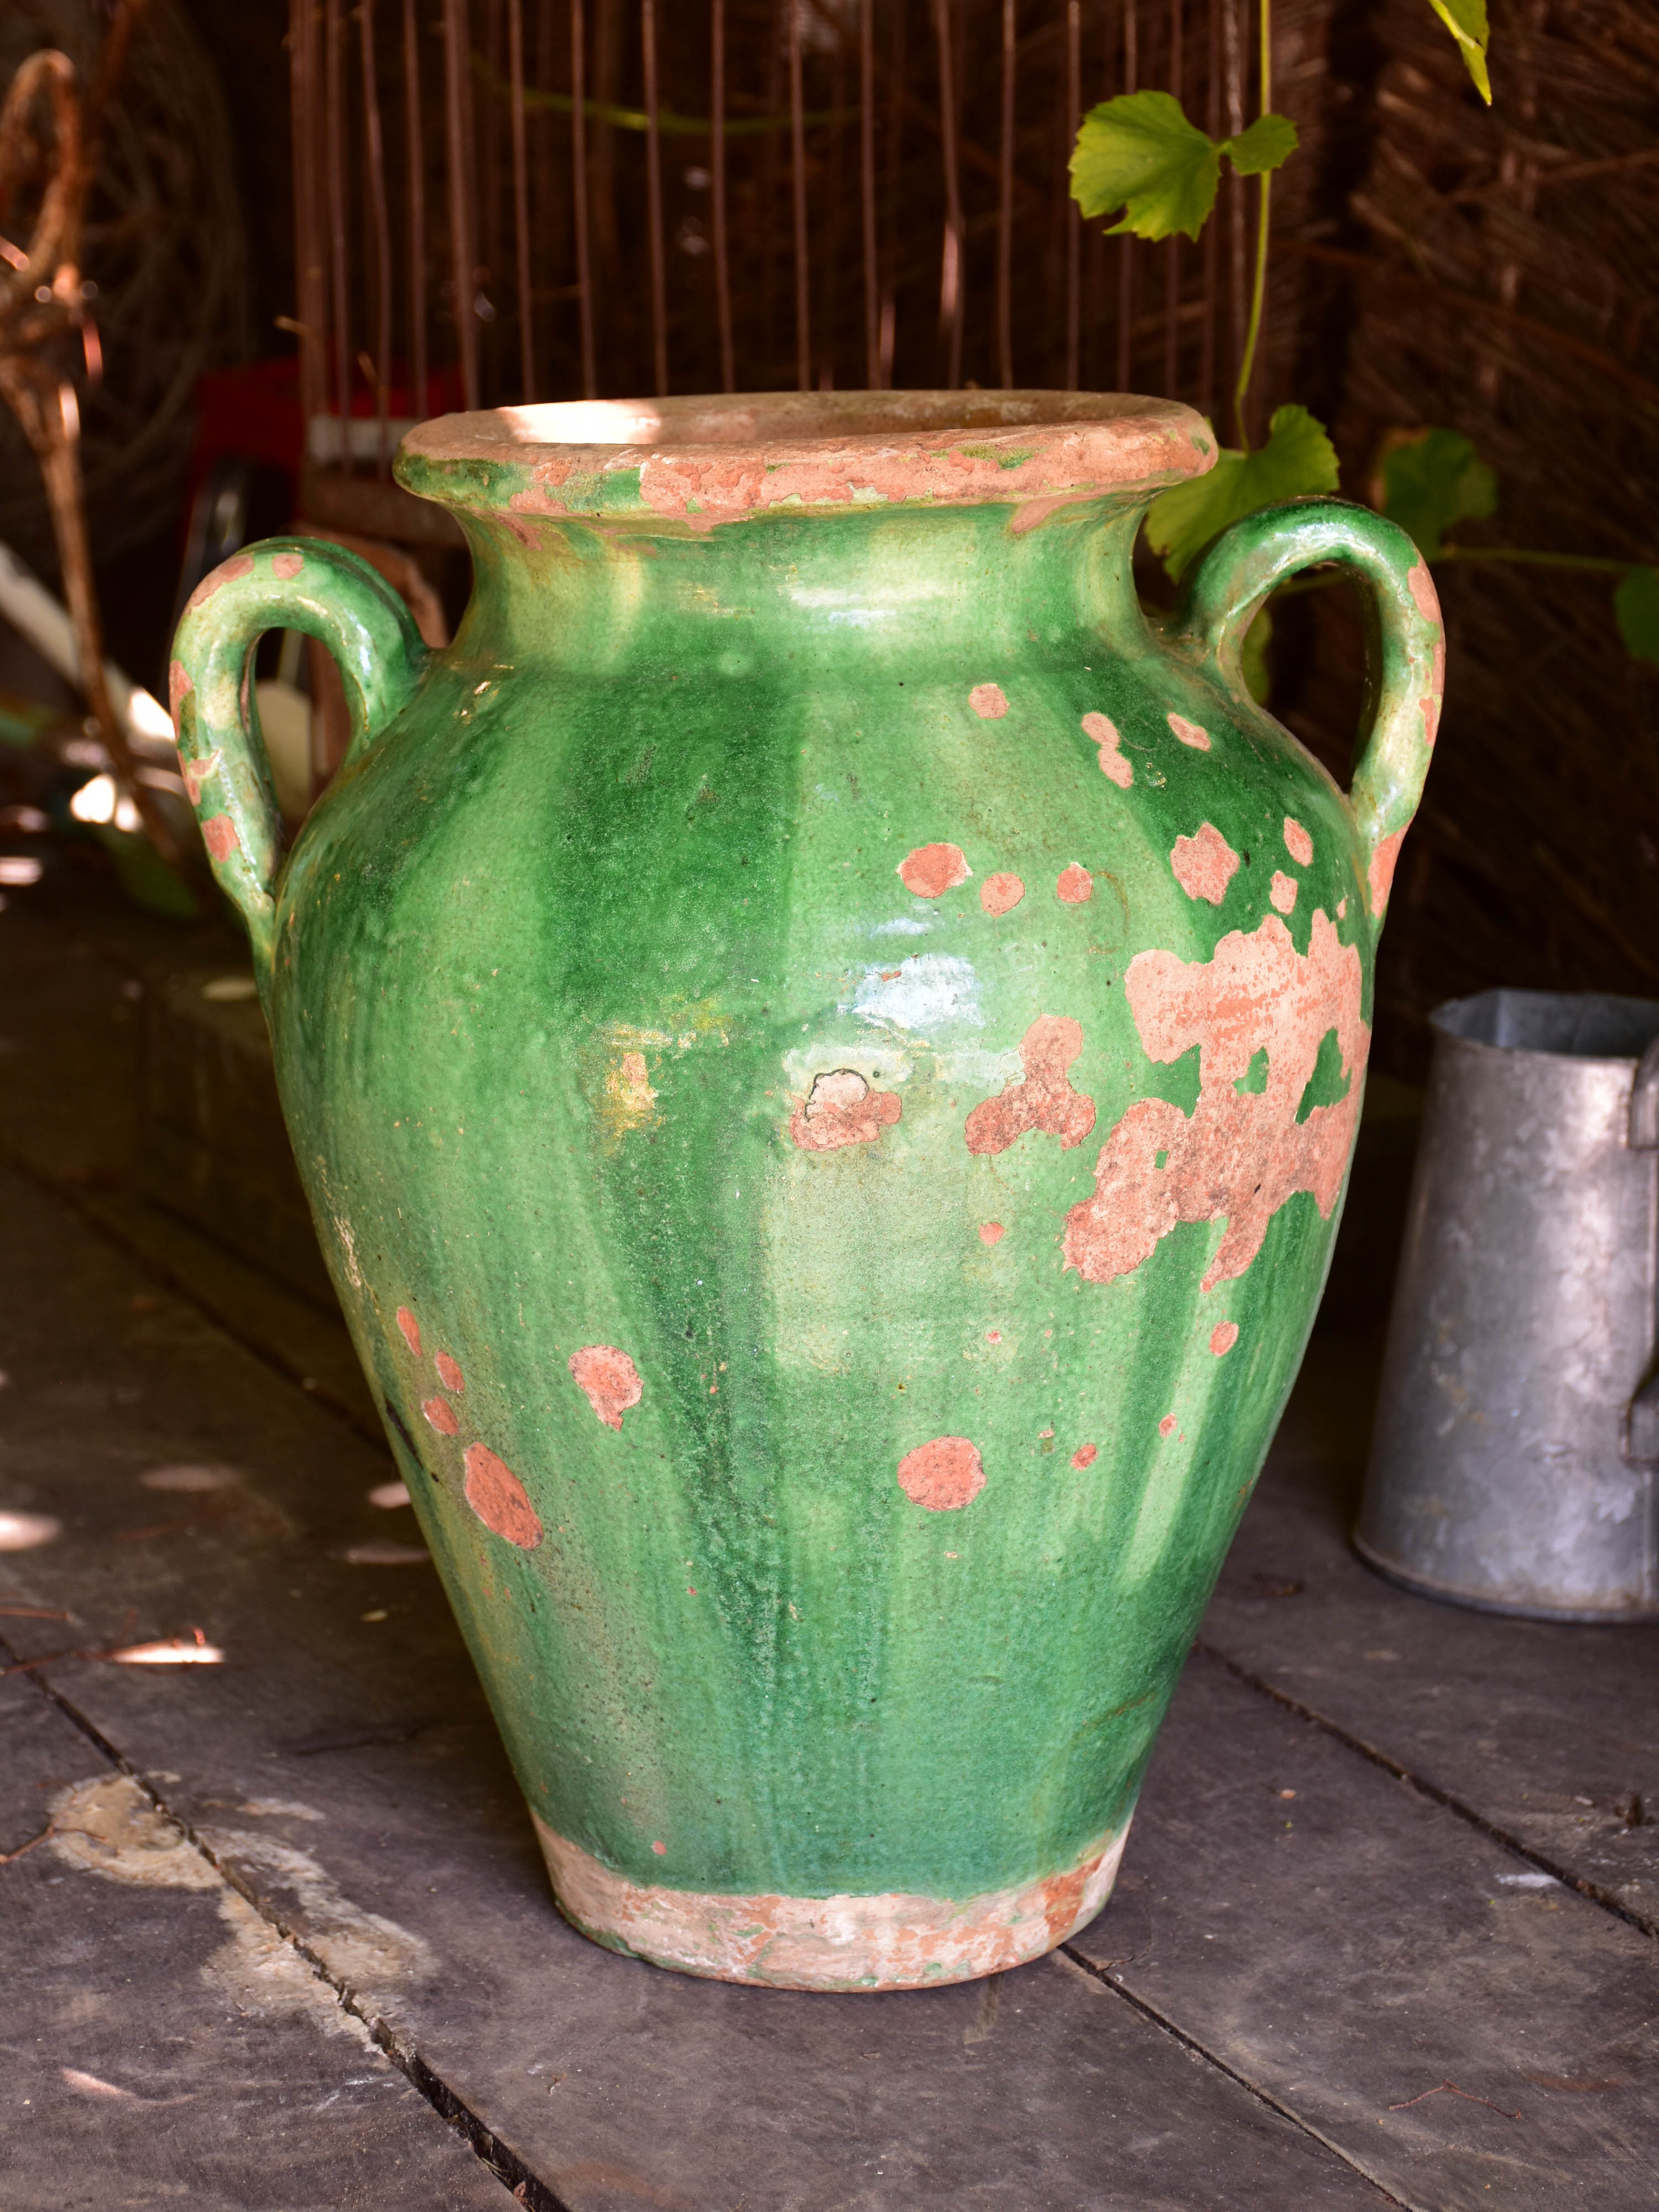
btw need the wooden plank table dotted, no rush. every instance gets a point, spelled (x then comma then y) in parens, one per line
(296, 1934)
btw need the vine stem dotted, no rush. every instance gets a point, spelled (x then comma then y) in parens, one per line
(1259, 288)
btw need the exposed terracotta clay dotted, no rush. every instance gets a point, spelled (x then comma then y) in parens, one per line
(1166, 1426)
(1420, 584)
(1076, 885)
(449, 1374)
(497, 1497)
(1204, 865)
(842, 1108)
(1223, 1337)
(1297, 843)
(1112, 762)
(932, 870)
(412, 1330)
(1086, 1455)
(287, 566)
(180, 688)
(1282, 891)
(220, 837)
(197, 772)
(1190, 733)
(1435, 698)
(608, 1379)
(441, 1415)
(999, 893)
(1380, 874)
(1241, 1154)
(1044, 1100)
(885, 1942)
(240, 564)
(988, 701)
(991, 1232)
(943, 1475)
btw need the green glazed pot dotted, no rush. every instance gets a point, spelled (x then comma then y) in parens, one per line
(824, 1044)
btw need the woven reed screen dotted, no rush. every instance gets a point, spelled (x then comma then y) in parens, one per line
(885, 201)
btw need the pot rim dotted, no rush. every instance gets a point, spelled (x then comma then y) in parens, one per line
(703, 458)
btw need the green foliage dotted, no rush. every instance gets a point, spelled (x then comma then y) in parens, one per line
(1636, 602)
(1298, 457)
(1433, 481)
(1467, 21)
(1139, 153)
(1268, 144)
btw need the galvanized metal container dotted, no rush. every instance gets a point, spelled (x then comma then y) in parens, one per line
(1514, 1460)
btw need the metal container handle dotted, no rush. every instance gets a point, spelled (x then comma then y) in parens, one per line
(1639, 1438)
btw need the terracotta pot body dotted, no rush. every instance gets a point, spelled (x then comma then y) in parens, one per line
(824, 1047)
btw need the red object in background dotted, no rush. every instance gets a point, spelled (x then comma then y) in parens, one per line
(252, 412)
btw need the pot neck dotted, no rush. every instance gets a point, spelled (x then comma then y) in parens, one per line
(922, 585)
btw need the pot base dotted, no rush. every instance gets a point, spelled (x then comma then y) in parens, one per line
(890, 1941)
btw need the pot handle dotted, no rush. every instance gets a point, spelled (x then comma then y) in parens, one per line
(282, 583)
(1408, 658)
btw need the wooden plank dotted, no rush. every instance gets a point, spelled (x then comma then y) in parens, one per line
(1549, 1732)
(157, 2029)
(342, 1765)
(1352, 1946)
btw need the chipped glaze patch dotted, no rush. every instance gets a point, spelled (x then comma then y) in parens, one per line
(1425, 598)
(410, 1328)
(889, 1941)
(608, 1379)
(1076, 886)
(449, 1374)
(497, 1497)
(240, 564)
(287, 566)
(1166, 1427)
(932, 870)
(944, 1475)
(1281, 892)
(196, 774)
(842, 1108)
(1113, 762)
(220, 837)
(1044, 1099)
(988, 701)
(180, 688)
(991, 1232)
(1086, 1455)
(1204, 865)
(1297, 843)
(629, 1100)
(1380, 874)
(440, 1414)
(1223, 1337)
(1001, 894)
(1190, 733)
(1241, 1154)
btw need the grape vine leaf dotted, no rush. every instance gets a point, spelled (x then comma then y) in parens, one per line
(1467, 21)
(1139, 153)
(1636, 602)
(1268, 144)
(1431, 481)
(1298, 457)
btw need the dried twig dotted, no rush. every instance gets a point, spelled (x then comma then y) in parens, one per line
(42, 301)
